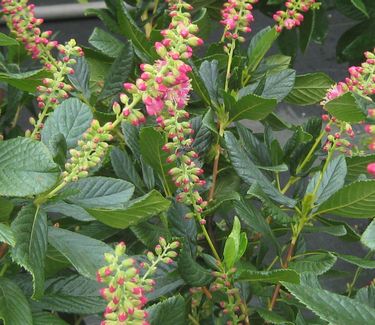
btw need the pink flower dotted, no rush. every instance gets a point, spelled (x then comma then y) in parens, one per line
(153, 105)
(289, 23)
(371, 169)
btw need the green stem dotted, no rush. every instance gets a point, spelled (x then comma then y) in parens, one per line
(230, 60)
(4, 269)
(210, 243)
(43, 198)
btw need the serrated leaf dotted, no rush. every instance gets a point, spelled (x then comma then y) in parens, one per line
(306, 30)
(251, 107)
(99, 192)
(332, 180)
(106, 43)
(249, 172)
(338, 230)
(171, 311)
(360, 6)
(232, 244)
(259, 46)
(138, 210)
(7, 235)
(316, 264)
(14, 308)
(151, 143)
(73, 294)
(273, 276)
(355, 260)
(368, 237)
(192, 272)
(279, 85)
(351, 234)
(30, 233)
(356, 200)
(309, 89)
(346, 108)
(119, 72)
(71, 118)
(333, 308)
(85, 253)
(6, 208)
(26, 168)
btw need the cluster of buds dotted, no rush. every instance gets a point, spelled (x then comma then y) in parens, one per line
(338, 133)
(21, 20)
(292, 16)
(236, 17)
(370, 130)
(125, 285)
(361, 80)
(231, 307)
(90, 152)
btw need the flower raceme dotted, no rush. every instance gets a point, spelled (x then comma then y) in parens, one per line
(125, 285)
(236, 17)
(21, 20)
(292, 16)
(164, 88)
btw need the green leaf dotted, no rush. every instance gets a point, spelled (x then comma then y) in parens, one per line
(316, 264)
(306, 30)
(360, 6)
(273, 276)
(132, 32)
(355, 260)
(309, 89)
(73, 294)
(346, 108)
(272, 318)
(106, 43)
(124, 168)
(30, 233)
(81, 77)
(333, 308)
(26, 167)
(251, 107)
(272, 64)
(192, 272)
(351, 234)
(151, 143)
(259, 46)
(7, 235)
(357, 166)
(171, 311)
(332, 180)
(249, 172)
(232, 244)
(69, 210)
(198, 84)
(368, 237)
(356, 200)
(366, 295)
(254, 220)
(45, 318)
(279, 85)
(137, 211)
(6, 208)
(85, 253)
(71, 118)
(99, 192)
(14, 308)
(26, 81)
(119, 72)
(209, 73)
(5, 40)
(337, 231)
